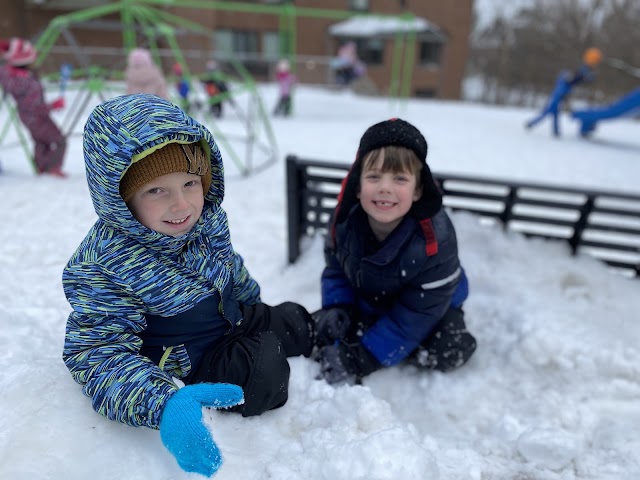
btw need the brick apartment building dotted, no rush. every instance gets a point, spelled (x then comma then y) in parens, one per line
(256, 38)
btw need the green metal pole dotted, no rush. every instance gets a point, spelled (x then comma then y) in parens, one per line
(396, 64)
(291, 29)
(128, 23)
(50, 35)
(409, 62)
(22, 138)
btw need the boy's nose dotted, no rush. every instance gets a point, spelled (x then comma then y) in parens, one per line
(384, 185)
(179, 201)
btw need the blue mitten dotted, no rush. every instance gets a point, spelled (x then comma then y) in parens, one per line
(182, 430)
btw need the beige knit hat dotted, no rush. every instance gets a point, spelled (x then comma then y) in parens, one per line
(174, 157)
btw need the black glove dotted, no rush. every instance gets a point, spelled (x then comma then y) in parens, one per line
(341, 361)
(331, 325)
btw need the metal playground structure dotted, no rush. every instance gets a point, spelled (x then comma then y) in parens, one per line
(146, 23)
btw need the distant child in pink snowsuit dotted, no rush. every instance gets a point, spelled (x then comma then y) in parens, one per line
(23, 84)
(143, 76)
(286, 80)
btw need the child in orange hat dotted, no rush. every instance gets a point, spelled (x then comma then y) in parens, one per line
(564, 84)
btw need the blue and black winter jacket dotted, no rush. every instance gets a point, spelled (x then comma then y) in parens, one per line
(145, 305)
(403, 289)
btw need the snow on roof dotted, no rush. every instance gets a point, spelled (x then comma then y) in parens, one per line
(371, 26)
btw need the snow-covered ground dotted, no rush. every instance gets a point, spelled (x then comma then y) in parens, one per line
(552, 393)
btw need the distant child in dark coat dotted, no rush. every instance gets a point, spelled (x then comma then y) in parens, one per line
(215, 87)
(565, 83)
(158, 291)
(347, 66)
(393, 286)
(286, 81)
(23, 84)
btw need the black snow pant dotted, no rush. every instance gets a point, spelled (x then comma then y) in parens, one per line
(283, 107)
(448, 347)
(255, 355)
(216, 109)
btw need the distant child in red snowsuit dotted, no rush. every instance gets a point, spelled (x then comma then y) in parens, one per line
(23, 84)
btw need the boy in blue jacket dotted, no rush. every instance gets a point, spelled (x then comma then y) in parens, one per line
(393, 286)
(158, 292)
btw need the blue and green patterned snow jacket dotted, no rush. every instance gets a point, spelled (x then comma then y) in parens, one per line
(124, 276)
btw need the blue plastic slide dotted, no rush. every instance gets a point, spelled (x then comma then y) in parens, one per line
(627, 106)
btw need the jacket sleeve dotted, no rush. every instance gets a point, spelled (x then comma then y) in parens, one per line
(420, 307)
(101, 349)
(336, 288)
(245, 288)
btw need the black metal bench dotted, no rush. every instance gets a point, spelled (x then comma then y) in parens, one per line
(601, 223)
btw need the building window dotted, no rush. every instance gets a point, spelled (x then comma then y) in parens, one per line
(425, 93)
(359, 5)
(271, 46)
(430, 52)
(236, 42)
(371, 50)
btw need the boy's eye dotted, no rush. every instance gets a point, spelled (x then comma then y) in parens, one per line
(154, 190)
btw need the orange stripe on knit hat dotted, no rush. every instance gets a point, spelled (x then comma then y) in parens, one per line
(171, 158)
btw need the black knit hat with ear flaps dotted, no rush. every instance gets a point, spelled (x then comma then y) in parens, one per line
(393, 132)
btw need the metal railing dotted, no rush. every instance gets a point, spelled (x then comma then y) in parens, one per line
(603, 224)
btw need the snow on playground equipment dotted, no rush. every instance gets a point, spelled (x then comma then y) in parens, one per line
(626, 106)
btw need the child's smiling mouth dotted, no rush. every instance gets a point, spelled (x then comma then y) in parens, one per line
(178, 221)
(383, 204)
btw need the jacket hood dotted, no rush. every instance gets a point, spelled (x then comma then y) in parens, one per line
(127, 128)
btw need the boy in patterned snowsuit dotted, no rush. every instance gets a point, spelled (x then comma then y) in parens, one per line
(23, 84)
(158, 291)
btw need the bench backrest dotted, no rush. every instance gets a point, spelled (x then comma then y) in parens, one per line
(603, 224)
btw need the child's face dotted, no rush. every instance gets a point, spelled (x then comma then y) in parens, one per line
(170, 204)
(386, 197)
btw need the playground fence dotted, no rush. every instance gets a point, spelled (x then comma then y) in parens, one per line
(605, 225)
